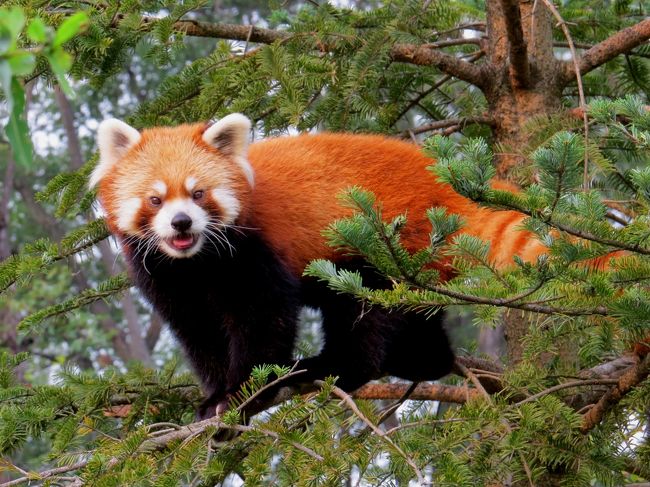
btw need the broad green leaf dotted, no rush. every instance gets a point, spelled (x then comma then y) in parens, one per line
(5, 81)
(37, 31)
(17, 130)
(5, 40)
(22, 63)
(13, 20)
(60, 62)
(69, 28)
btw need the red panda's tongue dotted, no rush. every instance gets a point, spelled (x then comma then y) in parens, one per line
(183, 242)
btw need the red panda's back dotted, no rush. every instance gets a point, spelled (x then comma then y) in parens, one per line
(297, 180)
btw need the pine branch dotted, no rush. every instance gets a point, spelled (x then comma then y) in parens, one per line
(608, 49)
(584, 45)
(612, 369)
(455, 42)
(578, 74)
(583, 234)
(519, 66)
(422, 55)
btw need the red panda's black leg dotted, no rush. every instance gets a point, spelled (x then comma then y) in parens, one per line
(364, 343)
(355, 338)
(420, 349)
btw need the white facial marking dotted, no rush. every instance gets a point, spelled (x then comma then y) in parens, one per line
(190, 183)
(162, 225)
(160, 187)
(126, 212)
(228, 202)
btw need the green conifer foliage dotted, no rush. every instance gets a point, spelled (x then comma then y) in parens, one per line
(571, 411)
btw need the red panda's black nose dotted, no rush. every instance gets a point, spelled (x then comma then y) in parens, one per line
(181, 222)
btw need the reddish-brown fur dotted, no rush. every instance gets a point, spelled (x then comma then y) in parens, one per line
(297, 181)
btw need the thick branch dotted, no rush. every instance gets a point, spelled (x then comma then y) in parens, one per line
(423, 392)
(626, 383)
(604, 51)
(425, 56)
(519, 67)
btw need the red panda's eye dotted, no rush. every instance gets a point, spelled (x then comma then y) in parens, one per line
(197, 195)
(155, 200)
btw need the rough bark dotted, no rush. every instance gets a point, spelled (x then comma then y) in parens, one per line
(621, 42)
(519, 65)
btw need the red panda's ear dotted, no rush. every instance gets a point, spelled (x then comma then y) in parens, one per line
(114, 139)
(229, 135)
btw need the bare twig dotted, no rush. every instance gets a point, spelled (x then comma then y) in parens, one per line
(470, 375)
(454, 42)
(388, 411)
(349, 402)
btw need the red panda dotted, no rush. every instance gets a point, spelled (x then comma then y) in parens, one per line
(217, 235)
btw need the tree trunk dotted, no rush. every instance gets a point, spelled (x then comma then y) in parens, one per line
(526, 82)
(515, 99)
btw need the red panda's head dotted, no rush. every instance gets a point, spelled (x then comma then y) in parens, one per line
(175, 187)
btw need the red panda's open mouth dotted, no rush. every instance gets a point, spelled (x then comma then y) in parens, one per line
(182, 241)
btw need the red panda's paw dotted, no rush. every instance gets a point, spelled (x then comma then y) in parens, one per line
(212, 407)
